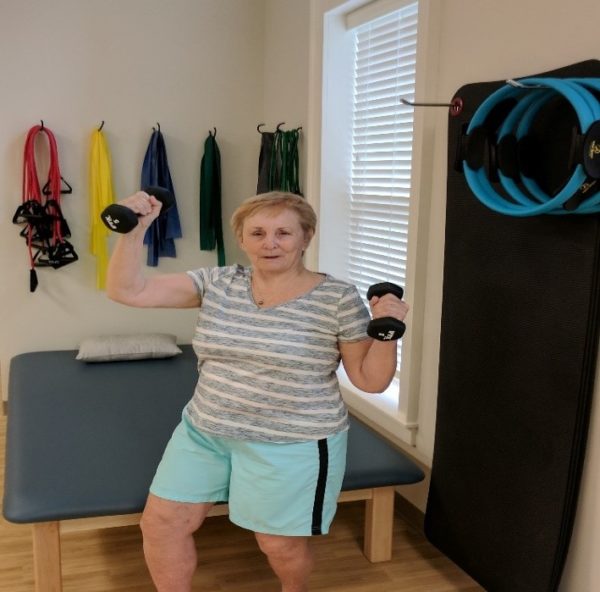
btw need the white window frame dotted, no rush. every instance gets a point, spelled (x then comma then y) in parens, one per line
(330, 90)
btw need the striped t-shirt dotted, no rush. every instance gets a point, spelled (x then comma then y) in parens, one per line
(268, 374)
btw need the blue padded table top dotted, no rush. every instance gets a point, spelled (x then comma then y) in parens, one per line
(85, 439)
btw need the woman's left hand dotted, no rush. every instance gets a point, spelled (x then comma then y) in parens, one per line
(388, 305)
(370, 363)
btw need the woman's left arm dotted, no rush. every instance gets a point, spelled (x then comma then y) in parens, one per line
(371, 364)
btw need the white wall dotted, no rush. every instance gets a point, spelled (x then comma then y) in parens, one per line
(189, 65)
(286, 65)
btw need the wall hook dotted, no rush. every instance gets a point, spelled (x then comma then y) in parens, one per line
(518, 84)
(279, 125)
(42, 122)
(157, 126)
(258, 128)
(101, 126)
(456, 106)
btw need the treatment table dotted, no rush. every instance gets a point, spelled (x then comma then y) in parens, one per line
(84, 439)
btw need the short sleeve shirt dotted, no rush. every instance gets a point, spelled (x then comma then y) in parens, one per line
(269, 374)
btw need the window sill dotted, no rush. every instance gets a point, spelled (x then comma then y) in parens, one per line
(380, 409)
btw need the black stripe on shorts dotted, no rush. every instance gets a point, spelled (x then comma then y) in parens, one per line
(317, 516)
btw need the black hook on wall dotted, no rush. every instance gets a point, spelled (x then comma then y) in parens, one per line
(456, 106)
(101, 126)
(277, 129)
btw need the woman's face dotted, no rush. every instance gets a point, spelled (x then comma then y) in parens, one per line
(274, 240)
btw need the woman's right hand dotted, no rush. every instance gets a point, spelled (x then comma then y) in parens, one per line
(126, 282)
(146, 206)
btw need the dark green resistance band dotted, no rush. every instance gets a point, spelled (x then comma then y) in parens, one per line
(211, 226)
(283, 170)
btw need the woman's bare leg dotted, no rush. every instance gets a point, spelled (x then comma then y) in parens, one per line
(169, 546)
(290, 558)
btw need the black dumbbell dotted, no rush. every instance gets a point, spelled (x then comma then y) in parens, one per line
(121, 219)
(386, 328)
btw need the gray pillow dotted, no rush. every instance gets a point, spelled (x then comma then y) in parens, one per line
(112, 348)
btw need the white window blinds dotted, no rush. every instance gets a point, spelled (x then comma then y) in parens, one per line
(382, 130)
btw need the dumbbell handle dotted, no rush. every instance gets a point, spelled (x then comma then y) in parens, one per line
(386, 328)
(122, 219)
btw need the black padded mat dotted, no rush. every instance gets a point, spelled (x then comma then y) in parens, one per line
(519, 342)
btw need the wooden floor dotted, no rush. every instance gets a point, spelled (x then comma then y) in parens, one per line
(111, 560)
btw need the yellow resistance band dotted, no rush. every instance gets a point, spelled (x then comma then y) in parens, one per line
(101, 196)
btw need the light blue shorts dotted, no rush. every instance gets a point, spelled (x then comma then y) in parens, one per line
(274, 488)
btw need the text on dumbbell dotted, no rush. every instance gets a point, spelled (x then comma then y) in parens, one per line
(112, 223)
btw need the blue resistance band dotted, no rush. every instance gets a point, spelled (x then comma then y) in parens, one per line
(522, 116)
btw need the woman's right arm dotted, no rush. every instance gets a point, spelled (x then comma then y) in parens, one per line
(126, 282)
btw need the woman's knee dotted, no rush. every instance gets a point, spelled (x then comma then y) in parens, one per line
(161, 517)
(282, 546)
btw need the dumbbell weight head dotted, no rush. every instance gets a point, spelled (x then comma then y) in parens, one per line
(385, 288)
(386, 328)
(121, 219)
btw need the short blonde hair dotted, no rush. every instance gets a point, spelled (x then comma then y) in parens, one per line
(275, 199)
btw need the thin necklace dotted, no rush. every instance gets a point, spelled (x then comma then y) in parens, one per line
(260, 301)
(257, 299)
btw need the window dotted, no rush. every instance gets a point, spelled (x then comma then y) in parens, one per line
(369, 168)
(382, 129)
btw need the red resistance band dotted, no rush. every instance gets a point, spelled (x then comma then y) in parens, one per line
(45, 227)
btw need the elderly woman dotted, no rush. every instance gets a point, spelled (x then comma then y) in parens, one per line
(265, 429)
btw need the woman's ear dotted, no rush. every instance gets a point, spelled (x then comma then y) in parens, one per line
(308, 236)
(239, 237)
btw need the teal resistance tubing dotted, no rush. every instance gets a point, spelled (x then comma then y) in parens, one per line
(507, 128)
(522, 115)
(579, 176)
(522, 118)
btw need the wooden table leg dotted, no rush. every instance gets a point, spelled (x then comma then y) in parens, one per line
(379, 524)
(46, 557)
